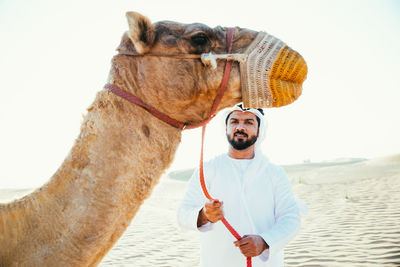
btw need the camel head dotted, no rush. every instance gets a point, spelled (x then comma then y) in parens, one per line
(265, 73)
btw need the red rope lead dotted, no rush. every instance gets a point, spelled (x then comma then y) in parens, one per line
(208, 196)
(231, 229)
(222, 88)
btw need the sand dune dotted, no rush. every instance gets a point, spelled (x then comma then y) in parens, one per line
(345, 172)
(353, 219)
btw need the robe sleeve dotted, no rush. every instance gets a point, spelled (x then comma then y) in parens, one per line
(287, 217)
(193, 201)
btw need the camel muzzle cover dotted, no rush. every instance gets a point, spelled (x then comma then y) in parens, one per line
(272, 73)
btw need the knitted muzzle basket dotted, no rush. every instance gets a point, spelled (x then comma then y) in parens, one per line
(273, 73)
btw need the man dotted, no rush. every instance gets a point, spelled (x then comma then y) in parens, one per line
(255, 197)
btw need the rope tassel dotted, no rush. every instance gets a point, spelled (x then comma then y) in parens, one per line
(211, 59)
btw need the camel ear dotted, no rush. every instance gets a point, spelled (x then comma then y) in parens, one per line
(141, 32)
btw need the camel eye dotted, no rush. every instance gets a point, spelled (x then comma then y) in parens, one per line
(199, 39)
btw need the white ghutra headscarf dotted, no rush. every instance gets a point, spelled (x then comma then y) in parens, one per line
(262, 129)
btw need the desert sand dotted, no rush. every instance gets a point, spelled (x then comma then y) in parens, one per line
(353, 218)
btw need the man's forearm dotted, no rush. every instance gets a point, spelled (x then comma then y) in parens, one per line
(202, 218)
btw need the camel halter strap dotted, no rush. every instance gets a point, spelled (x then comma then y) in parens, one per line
(207, 59)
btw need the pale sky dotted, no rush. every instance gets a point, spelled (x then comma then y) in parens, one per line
(55, 56)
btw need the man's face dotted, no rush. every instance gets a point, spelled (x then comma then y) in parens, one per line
(242, 129)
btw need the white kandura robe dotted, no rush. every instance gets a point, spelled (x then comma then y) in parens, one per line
(257, 198)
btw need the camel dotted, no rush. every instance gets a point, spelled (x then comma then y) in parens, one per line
(122, 150)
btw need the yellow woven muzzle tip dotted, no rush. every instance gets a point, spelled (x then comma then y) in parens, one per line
(286, 77)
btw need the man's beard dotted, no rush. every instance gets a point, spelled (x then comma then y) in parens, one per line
(241, 143)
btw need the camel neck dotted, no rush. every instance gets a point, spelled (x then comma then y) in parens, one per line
(117, 159)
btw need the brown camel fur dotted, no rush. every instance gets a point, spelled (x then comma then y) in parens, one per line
(122, 150)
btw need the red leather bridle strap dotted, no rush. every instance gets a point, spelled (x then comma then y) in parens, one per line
(164, 117)
(131, 98)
